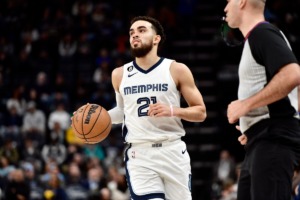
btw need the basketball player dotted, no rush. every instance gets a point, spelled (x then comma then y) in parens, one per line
(148, 91)
(267, 104)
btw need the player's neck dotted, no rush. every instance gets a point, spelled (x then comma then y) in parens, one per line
(147, 61)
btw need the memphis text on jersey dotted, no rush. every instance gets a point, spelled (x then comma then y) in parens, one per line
(146, 88)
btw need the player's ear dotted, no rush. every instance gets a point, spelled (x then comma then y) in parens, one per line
(242, 3)
(156, 39)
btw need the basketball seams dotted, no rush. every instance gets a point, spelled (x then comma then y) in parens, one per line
(74, 124)
(108, 125)
(83, 123)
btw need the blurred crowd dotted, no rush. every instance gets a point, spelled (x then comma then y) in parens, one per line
(57, 55)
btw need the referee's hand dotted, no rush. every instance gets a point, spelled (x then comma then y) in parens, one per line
(235, 110)
(243, 138)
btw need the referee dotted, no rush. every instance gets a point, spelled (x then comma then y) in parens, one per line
(267, 104)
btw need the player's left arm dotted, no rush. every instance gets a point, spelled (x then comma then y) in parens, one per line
(196, 110)
(184, 80)
(284, 81)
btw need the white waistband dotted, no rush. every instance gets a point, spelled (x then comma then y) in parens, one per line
(155, 144)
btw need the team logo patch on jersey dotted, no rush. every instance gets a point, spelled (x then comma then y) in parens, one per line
(130, 68)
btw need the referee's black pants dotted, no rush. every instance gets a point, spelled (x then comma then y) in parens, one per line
(266, 173)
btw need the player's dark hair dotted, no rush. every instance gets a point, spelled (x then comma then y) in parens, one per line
(155, 25)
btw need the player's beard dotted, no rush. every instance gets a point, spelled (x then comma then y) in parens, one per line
(141, 51)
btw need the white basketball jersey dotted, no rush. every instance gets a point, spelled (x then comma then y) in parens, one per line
(139, 88)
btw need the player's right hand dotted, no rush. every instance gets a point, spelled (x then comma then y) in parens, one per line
(74, 113)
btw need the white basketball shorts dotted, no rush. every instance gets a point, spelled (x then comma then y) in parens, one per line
(158, 171)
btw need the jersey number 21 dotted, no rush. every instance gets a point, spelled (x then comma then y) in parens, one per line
(145, 101)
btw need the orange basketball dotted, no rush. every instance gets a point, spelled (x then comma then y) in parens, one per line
(91, 123)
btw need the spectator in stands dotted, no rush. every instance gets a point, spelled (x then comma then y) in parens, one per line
(74, 175)
(34, 124)
(43, 63)
(36, 190)
(85, 67)
(67, 46)
(10, 151)
(43, 88)
(75, 183)
(225, 168)
(17, 187)
(32, 95)
(57, 133)
(54, 151)
(59, 115)
(76, 156)
(17, 100)
(51, 168)
(58, 97)
(12, 124)
(95, 179)
(26, 43)
(101, 72)
(30, 153)
(5, 167)
(55, 188)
